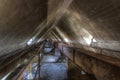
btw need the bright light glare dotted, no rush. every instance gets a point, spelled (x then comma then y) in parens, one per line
(94, 40)
(66, 40)
(87, 40)
(30, 41)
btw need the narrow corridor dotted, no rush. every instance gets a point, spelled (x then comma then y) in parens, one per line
(59, 39)
(54, 66)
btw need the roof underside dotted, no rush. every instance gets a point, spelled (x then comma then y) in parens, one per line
(89, 23)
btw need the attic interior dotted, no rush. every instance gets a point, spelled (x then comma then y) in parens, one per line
(59, 40)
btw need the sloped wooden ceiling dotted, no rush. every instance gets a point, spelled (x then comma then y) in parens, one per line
(21, 21)
(90, 23)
